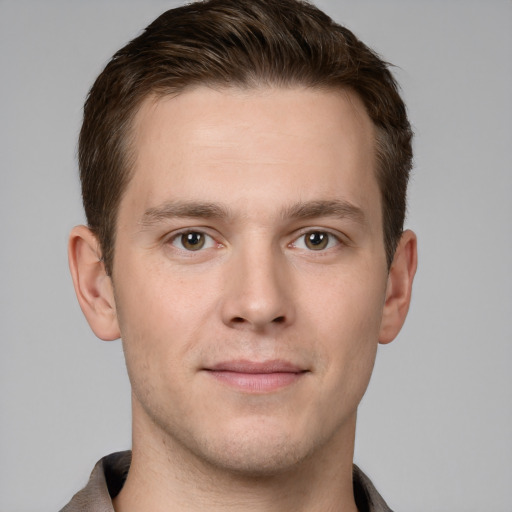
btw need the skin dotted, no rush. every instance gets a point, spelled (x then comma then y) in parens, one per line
(252, 174)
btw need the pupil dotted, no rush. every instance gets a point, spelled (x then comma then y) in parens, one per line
(316, 238)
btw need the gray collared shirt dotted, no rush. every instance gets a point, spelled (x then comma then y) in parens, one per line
(109, 474)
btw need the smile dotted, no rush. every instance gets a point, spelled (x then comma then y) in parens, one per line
(254, 377)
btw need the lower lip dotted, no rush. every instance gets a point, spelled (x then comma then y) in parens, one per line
(257, 382)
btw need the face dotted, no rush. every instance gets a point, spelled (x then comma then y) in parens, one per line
(250, 273)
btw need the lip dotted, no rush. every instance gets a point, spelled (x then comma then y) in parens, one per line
(256, 377)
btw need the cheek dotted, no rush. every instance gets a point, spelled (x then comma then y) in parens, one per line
(160, 314)
(158, 330)
(154, 295)
(346, 301)
(347, 312)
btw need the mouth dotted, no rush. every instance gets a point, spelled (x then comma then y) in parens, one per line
(256, 377)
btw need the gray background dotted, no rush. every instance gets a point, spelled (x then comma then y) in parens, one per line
(435, 426)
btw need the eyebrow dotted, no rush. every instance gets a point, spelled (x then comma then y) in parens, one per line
(325, 208)
(205, 210)
(182, 209)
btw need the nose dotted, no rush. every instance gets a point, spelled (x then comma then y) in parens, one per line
(258, 291)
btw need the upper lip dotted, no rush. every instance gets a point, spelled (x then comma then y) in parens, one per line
(246, 366)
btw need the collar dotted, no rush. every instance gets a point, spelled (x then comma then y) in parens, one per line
(109, 474)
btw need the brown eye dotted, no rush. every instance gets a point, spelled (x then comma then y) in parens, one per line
(316, 240)
(192, 241)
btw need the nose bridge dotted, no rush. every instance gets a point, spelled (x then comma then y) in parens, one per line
(258, 293)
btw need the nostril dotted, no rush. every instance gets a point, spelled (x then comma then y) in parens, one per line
(238, 320)
(278, 320)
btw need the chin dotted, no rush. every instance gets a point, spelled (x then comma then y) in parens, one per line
(257, 452)
(256, 459)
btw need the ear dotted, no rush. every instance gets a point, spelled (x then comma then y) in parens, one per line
(399, 287)
(93, 287)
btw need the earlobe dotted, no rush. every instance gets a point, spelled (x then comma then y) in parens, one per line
(93, 287)
(399, 287)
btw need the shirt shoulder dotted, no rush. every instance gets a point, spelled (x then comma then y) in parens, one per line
(366, 495)
(106, 480)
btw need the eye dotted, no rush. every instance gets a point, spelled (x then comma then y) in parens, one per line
(316, 241)
(192, 241)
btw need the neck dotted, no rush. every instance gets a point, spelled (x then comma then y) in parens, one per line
(165, 477)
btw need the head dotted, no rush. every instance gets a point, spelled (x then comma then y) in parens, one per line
(244, 44)
(244, 167)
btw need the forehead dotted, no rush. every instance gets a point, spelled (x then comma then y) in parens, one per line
(243, 145)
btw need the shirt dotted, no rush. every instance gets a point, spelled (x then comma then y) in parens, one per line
(109, 474)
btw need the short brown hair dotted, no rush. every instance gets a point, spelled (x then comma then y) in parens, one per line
(240, 43)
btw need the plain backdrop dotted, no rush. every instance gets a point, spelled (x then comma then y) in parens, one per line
(435, 426)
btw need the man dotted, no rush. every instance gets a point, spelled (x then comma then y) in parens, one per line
(244, 167)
